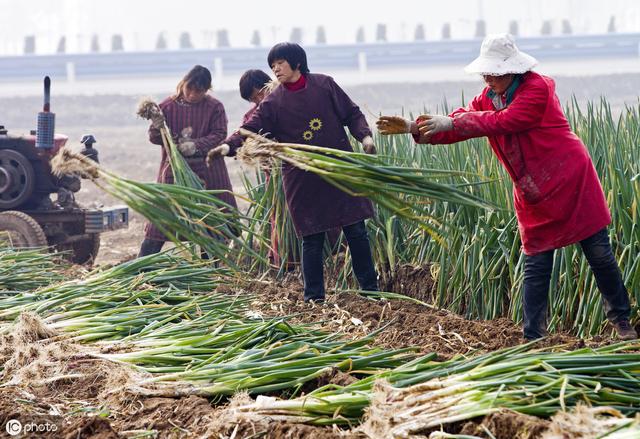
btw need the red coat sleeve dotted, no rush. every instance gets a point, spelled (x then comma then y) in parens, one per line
(524, 113)
(453, 136)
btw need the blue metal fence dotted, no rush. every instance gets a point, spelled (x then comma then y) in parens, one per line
(322, 58)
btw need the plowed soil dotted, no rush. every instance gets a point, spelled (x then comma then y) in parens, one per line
(405, 323)
(90, 405)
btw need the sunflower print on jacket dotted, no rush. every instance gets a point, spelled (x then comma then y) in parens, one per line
(315, 125)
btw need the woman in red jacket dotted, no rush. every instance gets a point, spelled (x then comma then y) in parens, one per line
(558, 198)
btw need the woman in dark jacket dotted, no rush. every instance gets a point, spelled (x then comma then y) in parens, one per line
(311, 108)
(198, 123)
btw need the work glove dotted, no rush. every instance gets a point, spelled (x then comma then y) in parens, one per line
(368, 146)
(187, 148)
(218, 151)
(157, 121)
(186, 145)
(432, 124)
(185, 134)
(147, 109)
(395, 125)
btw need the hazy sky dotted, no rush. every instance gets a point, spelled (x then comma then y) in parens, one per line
(140, 21)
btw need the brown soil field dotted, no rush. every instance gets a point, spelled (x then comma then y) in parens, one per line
(82, 402)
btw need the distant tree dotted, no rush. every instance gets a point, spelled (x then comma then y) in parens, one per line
(185, 41)
(381, 32)
(296, 35)
(566, 27)
(62, 45)
(611, 28)
(321, 35)
(360, 35)
(546, 28)
(255, 38)
(116, 43)
(513, 28)
(223, 38)
(419, 33)
(29, 44)
(95, 43)
(161, 42)
(446, 31)
(481, 29)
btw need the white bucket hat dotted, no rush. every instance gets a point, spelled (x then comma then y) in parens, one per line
(499, 55)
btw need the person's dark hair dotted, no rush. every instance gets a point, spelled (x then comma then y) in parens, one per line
(252, 80)
(292, 53)
(198, 78)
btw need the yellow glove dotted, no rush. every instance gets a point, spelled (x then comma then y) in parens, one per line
(394, 125)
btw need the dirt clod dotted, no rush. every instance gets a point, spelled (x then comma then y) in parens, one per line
(90, 428)
(507, 425)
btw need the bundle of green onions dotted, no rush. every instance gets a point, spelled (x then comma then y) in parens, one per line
(157, 314)
(182, 213)
(207, 345)
(28, 269)
(230, 355)
(182, 172)
(171, 276)
(403, 190)
(124, 316)
(423, 395)
(268, 209)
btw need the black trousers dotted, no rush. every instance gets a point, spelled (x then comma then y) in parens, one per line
(537, 276)
(150, 247)
(361, 260)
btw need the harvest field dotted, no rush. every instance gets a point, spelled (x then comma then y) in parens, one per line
(173, 346)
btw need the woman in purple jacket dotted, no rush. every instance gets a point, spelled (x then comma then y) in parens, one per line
(311, 108)
(198, 123)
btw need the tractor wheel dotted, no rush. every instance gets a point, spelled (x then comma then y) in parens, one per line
(17, 179)
(86, 250)
(17, 229)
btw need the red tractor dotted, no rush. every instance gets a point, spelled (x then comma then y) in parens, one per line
(28, 215)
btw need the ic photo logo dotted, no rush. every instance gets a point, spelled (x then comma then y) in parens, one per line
(13, 427)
